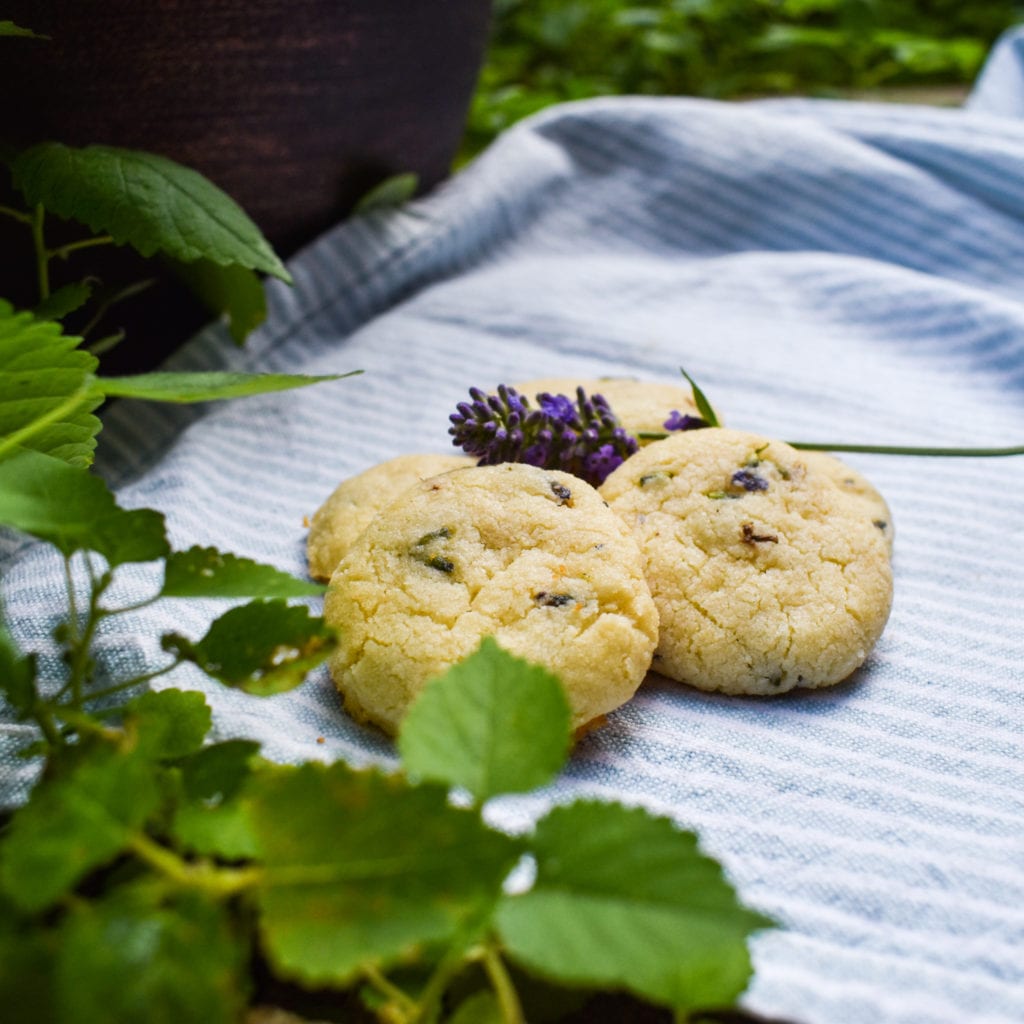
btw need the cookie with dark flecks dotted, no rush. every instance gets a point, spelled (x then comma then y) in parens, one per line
(355, 501)
(767, 575)
(532, 557)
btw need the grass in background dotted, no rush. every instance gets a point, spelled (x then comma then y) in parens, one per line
(548, 51)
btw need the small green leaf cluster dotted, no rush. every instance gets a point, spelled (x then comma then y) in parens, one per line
(549, 51)
(151, 868)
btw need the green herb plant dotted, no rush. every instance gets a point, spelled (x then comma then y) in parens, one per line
(117, 197)
(150, 869)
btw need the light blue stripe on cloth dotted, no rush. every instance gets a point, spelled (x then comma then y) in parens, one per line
(827, 271)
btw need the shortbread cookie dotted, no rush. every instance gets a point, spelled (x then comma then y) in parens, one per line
(857, 486)
(766, 575)
(641, 406)
(531, 557)
(354, 502)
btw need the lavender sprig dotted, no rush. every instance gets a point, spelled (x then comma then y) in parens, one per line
(582, 437)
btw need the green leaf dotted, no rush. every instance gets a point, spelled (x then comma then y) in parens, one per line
(143, 200)
(263, 648)
(59, 303)
(206, 387)
(8, 28)
(369, 868)
(17, 674)
(75, 511)
(220, 830)
(491, 724)
(73, 824)
(207, 572)
(214, 820)
(218, 770)
(624, 899)
(48, 393)
(168, 723)
(234, 291)
(704, 407)
(479, 1008)
(124, 960)
(391, 192)
(26, 968)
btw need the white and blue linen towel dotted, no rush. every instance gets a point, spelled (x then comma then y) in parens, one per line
(828, 271)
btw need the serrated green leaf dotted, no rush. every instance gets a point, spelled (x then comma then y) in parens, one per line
(26, 968)
(218, 770)
(17, 674)
(623, 899)
(143, 200)
(391, 192)
(220, 830)
(263, 648)
(75, 511)
(73, 824)
(704, 407)
(123, 960)
(207, 572)
(206, 387)
(234, 292)
(491, 724)
(168, 723)
(59, 303)
(48, 393)
(9, 28)
(369, 869)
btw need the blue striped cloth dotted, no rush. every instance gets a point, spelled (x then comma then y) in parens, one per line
(828, 271)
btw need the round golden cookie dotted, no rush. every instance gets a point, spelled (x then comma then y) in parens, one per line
(641, 406)
(857, 486)
(354, 502)
(531, 557)
(766, 575)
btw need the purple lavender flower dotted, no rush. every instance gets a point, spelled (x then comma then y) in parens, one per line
(679, 421)
(749, 480)
(582, 437)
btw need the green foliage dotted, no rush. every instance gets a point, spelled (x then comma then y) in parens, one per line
(205, 387)
(263, 648)
(624, 899)
(547, 51)
(207, 572)
(48, 396)
(75, 511)
(497, 725)
(393, 191)
(9, 28)
(370, 868)
(143, 200)
(235, 291)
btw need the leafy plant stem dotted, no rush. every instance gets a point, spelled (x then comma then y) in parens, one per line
(218, 882)
(58, 412)
(19, 215)
(504, 988)
(134, 681)
(881, 449)
(106, 343)
(430, 999)
(387, 988)
(42, 257)
(79, 645)
(64, 251)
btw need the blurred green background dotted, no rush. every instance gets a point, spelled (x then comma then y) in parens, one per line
(547, 51)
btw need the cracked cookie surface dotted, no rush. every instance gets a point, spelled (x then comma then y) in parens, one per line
(767, 575)
(355, 501)
(531, 557)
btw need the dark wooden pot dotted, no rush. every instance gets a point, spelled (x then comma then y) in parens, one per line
(294, 107)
